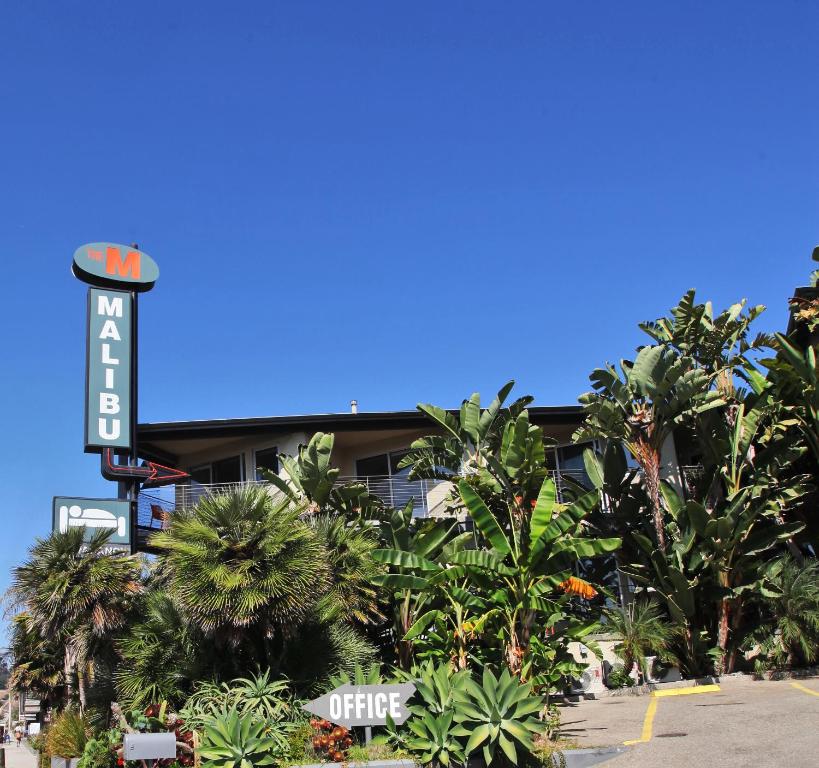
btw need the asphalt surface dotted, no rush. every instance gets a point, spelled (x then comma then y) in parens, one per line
(753, 724)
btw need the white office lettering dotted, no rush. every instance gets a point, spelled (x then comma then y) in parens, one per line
(109, 378)
(109, 331)
(360, 704)
(395, 704)
(106, 355)
(112, 307)
(335, 706)
(380, 705)
(348, 705)
(105, 434)
(109, 402)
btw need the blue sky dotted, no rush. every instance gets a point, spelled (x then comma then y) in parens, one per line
(381, 201)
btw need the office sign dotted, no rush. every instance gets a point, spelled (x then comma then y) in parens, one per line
(108, 370)
(115, 266)
(353, 705)
(93, 515)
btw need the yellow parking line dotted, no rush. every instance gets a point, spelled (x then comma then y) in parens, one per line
(648, 721)
(805, 689)
(686, 691)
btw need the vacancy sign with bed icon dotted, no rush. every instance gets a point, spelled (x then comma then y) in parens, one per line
(93, 515)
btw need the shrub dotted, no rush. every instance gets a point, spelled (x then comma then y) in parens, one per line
(67, 735)
(97, 754)
(232, 741)
(618, 678)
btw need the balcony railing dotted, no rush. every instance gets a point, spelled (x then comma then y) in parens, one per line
(429, 496)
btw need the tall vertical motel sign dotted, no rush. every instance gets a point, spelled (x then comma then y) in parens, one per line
(117, 275)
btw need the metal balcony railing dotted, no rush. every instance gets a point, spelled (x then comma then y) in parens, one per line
(156, 505)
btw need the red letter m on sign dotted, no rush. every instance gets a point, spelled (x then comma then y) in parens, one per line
(114, 263)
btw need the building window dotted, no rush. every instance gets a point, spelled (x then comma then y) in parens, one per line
(374, 466)
(267, 459)
(201, 475)
(230, 470)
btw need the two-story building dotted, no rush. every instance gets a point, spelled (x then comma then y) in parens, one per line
(221, 453)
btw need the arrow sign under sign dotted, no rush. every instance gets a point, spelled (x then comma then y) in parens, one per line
(350, 705)
(150, 473)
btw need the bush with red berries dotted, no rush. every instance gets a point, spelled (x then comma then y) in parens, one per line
(331, 740)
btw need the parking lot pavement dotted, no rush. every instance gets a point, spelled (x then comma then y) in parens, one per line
(746, 723)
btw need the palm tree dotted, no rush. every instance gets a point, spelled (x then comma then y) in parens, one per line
(656, 393)
(790, 592)
(643, 628)
(75, 592)
(37, 663)
(243, 567)
(352, 595)
(161, 654)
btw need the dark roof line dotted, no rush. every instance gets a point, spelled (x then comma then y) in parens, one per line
(349, 421)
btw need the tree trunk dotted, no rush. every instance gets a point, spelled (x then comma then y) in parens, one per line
(81, 689)
(68, 671)
(649, 460)
(722, 634)
(736, 621)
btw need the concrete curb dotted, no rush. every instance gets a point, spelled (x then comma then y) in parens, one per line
(649, 688)
(583, 758)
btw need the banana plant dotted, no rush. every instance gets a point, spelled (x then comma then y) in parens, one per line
(311, 477)
(411, 547)
(446, 617)
(793, 373)
(528, 558)
(467, 437)
(641, 406)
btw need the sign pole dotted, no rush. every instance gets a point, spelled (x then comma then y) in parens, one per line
(134, 457)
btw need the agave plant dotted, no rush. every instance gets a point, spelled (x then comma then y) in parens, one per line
(436, 740)
(498, 714)
(233, 741)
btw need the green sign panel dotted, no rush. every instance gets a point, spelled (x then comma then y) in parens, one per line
(93, 515)
(108, 370)
(115, 265)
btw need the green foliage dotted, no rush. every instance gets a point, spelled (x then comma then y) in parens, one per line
(790, 597)
(161, 654)
(258, 698)
(435, 739)
(311, 479)
(242, 559)
(67, 735)
(75, 595)
(454, 714)
(233, 741)
(97, 754)
(618, 678)
(497, 714)
(643, 630)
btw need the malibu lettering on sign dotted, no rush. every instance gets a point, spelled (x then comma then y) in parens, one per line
(114, 265)
(108, 370)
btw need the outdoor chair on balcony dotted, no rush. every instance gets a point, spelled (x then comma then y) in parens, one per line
(160, 515)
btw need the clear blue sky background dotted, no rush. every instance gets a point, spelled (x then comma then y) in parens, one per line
(382, 201)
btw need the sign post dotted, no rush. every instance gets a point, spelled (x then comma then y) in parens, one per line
(117, 275)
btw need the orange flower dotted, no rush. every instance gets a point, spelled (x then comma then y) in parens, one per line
(579, 587)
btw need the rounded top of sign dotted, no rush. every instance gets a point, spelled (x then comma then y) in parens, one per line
(115, 266)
